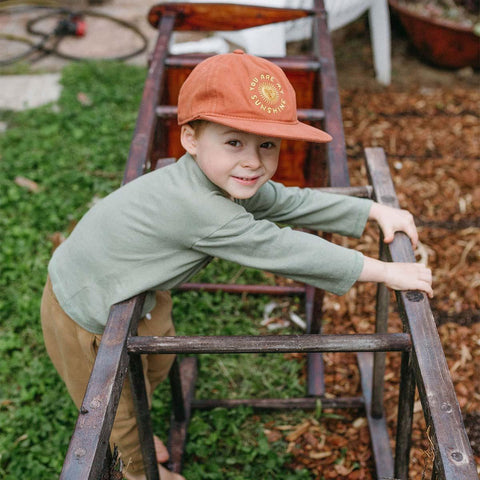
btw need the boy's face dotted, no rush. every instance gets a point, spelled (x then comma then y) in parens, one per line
(237, 162)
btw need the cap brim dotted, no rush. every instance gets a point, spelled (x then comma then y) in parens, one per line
(288, 131)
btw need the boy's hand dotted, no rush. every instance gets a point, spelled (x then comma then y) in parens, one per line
(399, 276)
(393, 220)
(409, 276)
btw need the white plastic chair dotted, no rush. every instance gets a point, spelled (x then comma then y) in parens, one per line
(271, 40)
(343, 12)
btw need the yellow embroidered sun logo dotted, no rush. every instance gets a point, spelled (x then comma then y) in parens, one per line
(268, 93)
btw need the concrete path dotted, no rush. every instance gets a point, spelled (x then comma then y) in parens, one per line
(20, 92)
(103, 38)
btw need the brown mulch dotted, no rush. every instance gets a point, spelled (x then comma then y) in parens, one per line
(432, 140)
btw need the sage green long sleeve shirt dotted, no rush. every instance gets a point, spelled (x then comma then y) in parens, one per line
(160, 229)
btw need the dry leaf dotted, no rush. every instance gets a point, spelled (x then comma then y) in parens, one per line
(299, 431)
(26, 183)
(84, 99)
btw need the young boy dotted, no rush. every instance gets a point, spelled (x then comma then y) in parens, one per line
(217, 200)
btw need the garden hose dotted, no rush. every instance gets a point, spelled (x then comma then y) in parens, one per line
(69, 24)
(16, 38)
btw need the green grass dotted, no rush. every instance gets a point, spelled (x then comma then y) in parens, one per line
(76, 151)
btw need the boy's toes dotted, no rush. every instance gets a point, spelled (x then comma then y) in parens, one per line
(161, 450)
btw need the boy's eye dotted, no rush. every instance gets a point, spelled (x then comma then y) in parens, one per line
(268, 145)
(234, 143)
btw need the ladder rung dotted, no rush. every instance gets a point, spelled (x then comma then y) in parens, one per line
(307, 403)
(365, 191)
(291, 63)
(314, 115)
(376, 342)
(239, 288)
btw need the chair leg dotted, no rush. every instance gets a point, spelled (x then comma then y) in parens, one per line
(379, 21)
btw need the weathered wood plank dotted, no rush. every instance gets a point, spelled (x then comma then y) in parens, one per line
(307, 403)
(298, 63)
(328, 92)
(315, 364)
(90, 441)
(406, 400)
(187, 377)
(270, 343)
(453, 452)
(210, 17)
(240, 288)
(381, 326)
(141, 145)
(142, 411)
(303, 114)
(377, 425)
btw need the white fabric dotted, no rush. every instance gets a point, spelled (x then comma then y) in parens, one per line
(271, 40)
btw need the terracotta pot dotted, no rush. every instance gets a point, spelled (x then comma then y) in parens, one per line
(442, 42)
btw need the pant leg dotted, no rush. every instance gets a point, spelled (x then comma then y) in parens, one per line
(73, 350)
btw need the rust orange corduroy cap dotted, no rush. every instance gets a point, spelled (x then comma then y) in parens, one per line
(247, 93)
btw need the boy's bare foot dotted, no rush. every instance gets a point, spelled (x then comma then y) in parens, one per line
(161, 450)
(163, 472)
(162, 457)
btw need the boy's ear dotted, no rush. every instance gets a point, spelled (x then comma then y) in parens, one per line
(188, 139)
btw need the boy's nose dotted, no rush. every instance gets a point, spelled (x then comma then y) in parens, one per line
(251, 159)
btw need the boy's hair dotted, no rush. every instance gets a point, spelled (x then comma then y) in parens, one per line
(247, 93)
(198, 125)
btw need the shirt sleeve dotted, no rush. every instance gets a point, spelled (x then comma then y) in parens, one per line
(309, 208)
(297, 255)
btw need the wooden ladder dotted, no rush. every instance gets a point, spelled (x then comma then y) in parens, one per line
(154, 145)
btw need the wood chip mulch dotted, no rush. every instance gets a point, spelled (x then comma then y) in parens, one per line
(432, 141)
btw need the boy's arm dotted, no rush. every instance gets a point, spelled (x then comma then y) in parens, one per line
(310, 208)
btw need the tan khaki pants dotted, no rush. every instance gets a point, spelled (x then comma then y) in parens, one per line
(73, 349)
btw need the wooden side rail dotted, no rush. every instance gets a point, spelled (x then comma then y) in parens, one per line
(89, 445)
(141, 145)
(453, 453)
(328, 91)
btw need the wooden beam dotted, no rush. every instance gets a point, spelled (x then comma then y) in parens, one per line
(90, 441)
(270, 343)
(141, 145)
(216, 17)
(453, 452)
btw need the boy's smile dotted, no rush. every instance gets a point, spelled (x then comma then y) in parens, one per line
(237, 162)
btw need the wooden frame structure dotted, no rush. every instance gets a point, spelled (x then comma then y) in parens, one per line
(423, 364)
